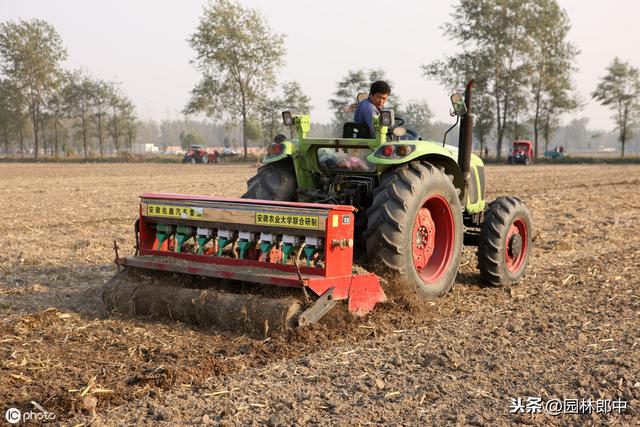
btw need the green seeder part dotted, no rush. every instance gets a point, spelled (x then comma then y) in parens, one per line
(202, 240)
(265, 247)
(309, 251)
(222, 242)
(183, 234)
(243, 245)
(163, 232)
(287, 248)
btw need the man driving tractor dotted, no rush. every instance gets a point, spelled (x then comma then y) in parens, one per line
(371, 106)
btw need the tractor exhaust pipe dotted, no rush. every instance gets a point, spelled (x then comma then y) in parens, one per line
(465, 140)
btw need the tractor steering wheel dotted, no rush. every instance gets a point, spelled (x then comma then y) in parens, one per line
(399, 122)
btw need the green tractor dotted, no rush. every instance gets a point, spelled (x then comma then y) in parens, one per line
(418, 202)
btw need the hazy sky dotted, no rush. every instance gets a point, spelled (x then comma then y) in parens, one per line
(143, 44)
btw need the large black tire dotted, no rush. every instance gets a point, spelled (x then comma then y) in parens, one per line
(396, 240)
(505, 242)
(274, 181)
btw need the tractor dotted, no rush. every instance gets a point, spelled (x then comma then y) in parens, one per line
(521, 153)
(401, 206)
(197, 154)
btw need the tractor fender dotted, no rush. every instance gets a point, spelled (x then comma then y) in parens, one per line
(288, 151)
(434, 153)
(450, 167)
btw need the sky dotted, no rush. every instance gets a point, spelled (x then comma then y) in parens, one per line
(143, 45)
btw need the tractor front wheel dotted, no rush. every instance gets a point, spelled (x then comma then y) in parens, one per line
(505, 242)
(274, 181)
(414, 229)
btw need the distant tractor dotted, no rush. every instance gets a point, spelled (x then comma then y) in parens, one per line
(556, 153)
(197, 154)
(521, 153)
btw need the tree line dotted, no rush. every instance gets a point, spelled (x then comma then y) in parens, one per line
(517, 51)
(47, 110)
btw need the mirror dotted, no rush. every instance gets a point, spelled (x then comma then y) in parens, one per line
(362, 96)
(287, 119)
(387, 117)
(459, 106)
(399, 131)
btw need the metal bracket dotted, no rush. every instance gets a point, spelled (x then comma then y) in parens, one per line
(319, 308)
(115, 249)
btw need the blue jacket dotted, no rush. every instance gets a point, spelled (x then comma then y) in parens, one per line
(364, 114)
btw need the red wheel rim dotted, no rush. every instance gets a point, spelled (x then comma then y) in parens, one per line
(433, 239)
(515, 248)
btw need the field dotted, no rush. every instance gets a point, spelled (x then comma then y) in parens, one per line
(570, 330)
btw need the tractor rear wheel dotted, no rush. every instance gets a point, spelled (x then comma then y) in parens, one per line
(274, 181)
(414, 229)
(505, 241)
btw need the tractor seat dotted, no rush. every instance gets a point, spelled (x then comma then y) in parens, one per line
(355, 130)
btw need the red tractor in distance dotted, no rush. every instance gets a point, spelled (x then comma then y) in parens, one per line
(521, 153)
(198, 154)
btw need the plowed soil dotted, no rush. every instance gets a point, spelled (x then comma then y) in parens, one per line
(569, 330)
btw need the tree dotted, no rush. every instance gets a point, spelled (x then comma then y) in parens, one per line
(11, 114)
(495, 39)
(78, 96)
(553, 60)
(238, 55)
(30, 56)
(483, 120)
(129, 118)
(101, 94)
(271, 118)
(418, 115)
(55, 107)
(293, 100)
(190, 138)
(619, 90)
(355, 82)
(122, 121)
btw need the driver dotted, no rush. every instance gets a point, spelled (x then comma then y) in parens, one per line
(367, 108)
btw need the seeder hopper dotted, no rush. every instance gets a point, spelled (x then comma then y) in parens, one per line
(286, 244)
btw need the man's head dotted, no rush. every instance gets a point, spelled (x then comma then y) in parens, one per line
(379, 93)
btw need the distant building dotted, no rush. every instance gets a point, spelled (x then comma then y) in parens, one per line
(144, 148)
(173, 149)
